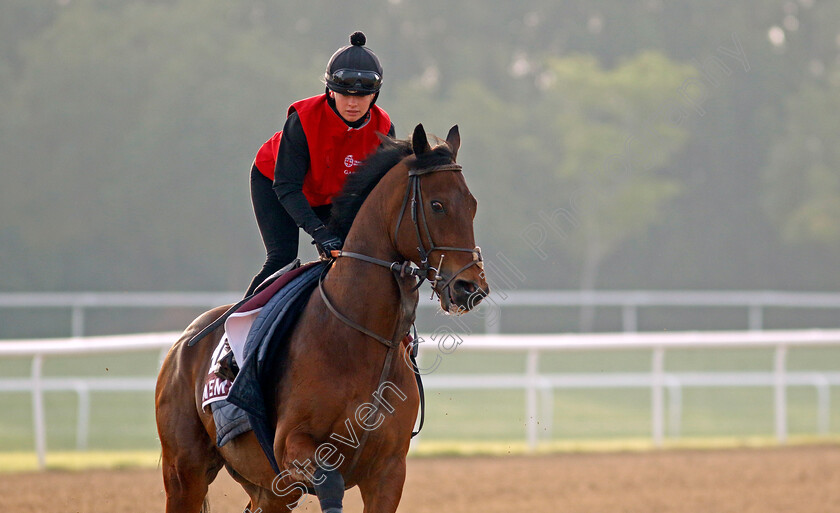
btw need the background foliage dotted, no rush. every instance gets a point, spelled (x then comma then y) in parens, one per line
(665, 157)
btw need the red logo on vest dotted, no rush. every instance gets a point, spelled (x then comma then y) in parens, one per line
(350, 163)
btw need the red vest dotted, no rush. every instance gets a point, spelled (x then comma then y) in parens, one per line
(335, 150)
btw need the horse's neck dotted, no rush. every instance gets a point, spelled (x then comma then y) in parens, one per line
(370, 294)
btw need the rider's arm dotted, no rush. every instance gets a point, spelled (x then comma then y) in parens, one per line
(289, 173)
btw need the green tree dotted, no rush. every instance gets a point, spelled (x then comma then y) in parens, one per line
(802, 182)
(130, 135)
(615, 134)
(126, 130)
(504, 165)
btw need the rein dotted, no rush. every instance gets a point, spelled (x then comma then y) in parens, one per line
(401, 270)
(404, 269)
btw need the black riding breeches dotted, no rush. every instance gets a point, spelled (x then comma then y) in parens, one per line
(280, 233)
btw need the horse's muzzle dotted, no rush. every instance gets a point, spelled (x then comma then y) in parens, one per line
(466, 294)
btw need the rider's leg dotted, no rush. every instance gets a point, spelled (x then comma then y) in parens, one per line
(277, 228)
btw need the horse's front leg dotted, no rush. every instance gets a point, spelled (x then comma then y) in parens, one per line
(300, 461)
(381, 492)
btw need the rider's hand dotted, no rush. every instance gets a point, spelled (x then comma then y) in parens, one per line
(325, 240)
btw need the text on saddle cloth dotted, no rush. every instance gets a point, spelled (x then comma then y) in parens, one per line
(216, 388)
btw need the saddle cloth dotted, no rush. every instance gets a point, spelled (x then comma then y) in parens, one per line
(216, 388)
(266, 318)
(231, 421)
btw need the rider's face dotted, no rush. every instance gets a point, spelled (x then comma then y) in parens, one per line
(351, 108)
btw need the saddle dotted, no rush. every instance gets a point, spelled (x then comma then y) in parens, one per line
(270, 314)
(274, 310)
(266, 289)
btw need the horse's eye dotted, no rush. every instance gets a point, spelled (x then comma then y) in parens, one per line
(437, 206)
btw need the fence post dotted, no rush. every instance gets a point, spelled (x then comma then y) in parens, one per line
(823, 404)
(657, 396)
(38, 411)
(674, 407)
(547, 415)
(780, 393)
(83, 419)
(531, 412)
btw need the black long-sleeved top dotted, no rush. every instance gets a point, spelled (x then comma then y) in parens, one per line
(292, 165)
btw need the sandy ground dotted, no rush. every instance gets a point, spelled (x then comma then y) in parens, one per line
(800, 480)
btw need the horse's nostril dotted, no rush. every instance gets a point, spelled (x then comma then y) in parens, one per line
(465, 287)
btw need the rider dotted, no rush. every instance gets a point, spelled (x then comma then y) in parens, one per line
(300, 169)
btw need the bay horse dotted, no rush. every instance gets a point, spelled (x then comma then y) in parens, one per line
(346, 402)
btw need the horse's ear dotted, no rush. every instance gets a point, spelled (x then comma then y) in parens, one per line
(454, 140)
(419, 142)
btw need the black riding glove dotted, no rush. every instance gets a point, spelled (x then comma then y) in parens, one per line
(325, 240)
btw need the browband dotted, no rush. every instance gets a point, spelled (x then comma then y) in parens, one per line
(434, 169)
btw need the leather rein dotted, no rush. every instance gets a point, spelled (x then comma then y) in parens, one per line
(414, 194)
(401, 270)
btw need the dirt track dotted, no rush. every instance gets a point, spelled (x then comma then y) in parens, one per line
(800, 480)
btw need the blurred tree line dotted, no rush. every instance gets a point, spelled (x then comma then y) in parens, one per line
(611, 143)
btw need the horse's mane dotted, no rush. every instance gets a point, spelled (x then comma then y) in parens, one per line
(360, 184)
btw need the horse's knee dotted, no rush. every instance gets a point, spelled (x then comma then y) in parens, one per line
(299, 459)
(178, 479)
(186, 489)
(298, 455)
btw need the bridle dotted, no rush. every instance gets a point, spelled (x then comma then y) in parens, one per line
(402, 270)
(416, 194)
(414, 198)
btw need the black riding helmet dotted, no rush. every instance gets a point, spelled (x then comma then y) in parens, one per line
(354, 69)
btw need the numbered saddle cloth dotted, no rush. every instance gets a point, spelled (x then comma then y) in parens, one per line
(260, 358)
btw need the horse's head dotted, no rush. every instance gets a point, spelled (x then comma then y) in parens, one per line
(434, 227)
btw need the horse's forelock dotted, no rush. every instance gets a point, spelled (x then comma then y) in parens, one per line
(437, 156)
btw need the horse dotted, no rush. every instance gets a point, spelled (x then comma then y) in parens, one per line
(345, 404)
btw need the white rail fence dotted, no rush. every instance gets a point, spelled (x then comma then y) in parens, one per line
(536, 385)
(754, 303)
